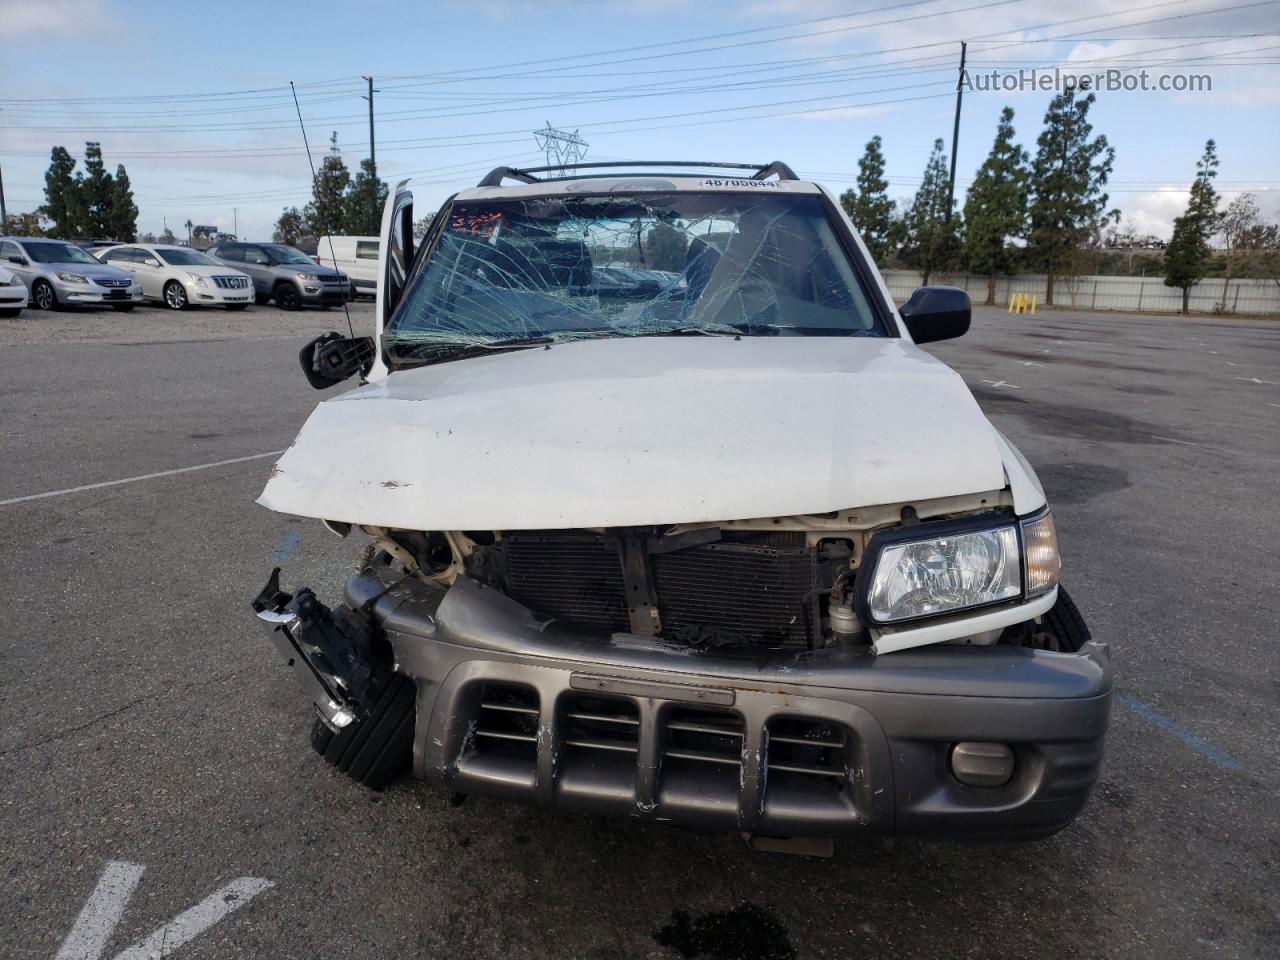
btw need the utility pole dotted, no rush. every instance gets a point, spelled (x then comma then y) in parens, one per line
(4, 214)
(235, 222)
(373, 160)
(955, 133)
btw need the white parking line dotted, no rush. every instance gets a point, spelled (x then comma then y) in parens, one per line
(97, 921)
(145, 476)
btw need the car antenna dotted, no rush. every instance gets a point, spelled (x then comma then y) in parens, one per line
(311, 163)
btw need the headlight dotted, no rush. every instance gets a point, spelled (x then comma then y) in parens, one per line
(198, 280)
(938, 568)
(305, 277)
(72, 278)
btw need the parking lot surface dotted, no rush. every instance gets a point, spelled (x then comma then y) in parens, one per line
(145, 719)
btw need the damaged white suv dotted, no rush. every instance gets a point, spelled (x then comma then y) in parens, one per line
(671, 518)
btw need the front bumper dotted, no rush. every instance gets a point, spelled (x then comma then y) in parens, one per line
(823, 743)
(326, 294)
(92, 293)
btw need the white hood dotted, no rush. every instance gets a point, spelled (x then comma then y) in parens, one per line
(623, 432)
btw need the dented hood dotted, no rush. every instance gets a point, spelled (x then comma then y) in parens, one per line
(648, 430)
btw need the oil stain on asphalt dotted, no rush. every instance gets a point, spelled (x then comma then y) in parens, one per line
(747, 932)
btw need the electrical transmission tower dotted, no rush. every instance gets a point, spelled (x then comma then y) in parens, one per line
(563, 149)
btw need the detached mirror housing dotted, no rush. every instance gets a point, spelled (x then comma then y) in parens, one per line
(937, 313)
(332, 358)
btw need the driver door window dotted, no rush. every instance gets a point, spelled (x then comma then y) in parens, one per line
(256, 256)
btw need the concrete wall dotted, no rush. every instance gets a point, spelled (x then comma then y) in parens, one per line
(1106, 293)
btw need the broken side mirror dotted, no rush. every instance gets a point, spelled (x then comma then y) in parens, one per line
(937, 313)
(332, 358)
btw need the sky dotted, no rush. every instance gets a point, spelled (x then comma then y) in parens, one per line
(194, 98)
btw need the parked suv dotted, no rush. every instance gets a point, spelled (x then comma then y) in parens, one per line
(285, 274)
(179, 277)
(726, 550)
(58, 273)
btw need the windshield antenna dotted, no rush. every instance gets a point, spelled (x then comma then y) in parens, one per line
(311, 163)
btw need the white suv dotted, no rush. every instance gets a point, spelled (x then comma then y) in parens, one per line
(724, 549)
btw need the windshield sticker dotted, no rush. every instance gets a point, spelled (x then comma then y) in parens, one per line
(734, 182)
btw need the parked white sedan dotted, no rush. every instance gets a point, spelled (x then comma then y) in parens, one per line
(180, 277)
(13, 294)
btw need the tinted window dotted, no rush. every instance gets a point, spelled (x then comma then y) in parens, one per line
(280, 253)
(229, 253)
(256, 255)
(366, 249)
(121, 255)
(185, 258)
(8, 250)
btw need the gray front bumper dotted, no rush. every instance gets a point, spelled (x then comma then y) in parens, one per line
(898, 717)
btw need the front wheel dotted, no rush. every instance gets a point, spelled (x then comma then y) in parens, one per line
(175, 296)
(237, 306)
(42, 295)
(287, 297)
(375, 750)
(1061, 630)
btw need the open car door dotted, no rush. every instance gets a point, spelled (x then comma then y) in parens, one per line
(395, 253)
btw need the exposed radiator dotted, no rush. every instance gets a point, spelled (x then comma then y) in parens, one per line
(718, 595)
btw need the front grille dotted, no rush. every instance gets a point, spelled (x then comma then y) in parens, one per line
(718, 595)
(231, 283)
(102, 282)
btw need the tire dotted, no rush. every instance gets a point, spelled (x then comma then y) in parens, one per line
(42, 295)
(10, 314)
(175, 296)
(1062, 629)
(122, 307)
(237, 306)
(377, 749)
(287, 297)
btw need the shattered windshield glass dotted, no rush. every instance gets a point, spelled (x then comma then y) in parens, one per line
(549, 269)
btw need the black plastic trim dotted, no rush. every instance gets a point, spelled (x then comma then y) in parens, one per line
(495, 176)
(931, 530)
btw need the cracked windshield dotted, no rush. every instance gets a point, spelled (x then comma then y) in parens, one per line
(563, 268)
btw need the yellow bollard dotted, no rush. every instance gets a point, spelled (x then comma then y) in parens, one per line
(1033, 304)
(1013, 298)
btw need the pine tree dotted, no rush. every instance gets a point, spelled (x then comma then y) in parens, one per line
(1070, 171)
(95, 189)
(995, 209)
(61, 198)
(123, 216)
(931, 242)
(326, 214)
(870, 208)
(364, 202)
(1187, 255)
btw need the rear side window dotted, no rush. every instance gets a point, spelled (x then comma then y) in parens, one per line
(366, 249)
(230, 253)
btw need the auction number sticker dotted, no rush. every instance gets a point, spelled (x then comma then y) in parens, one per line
(735, 182)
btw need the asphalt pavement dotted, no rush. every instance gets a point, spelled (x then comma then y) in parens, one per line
(146, 721)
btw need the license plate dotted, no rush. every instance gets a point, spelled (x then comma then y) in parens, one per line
(117, 294)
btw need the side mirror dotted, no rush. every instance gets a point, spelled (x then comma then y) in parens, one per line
(332, 358)
(937, 313)
(151, 262)
(20, 261)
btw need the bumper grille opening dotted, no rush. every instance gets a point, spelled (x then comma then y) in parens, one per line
(599, 745)
(804, 755)
(507, 722)
(702, 757)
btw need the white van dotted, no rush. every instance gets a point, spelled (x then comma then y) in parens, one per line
(357, 257)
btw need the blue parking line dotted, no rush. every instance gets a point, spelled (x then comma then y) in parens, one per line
(287, 546)
(1198, 744)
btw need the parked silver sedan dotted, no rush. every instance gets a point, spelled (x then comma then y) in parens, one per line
(180, 277)
(61, 274)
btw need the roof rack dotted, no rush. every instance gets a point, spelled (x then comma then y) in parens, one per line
(762, 171)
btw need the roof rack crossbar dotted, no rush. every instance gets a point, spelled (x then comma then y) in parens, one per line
(761, 171)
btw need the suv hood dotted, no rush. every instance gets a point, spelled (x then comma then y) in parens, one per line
(638, 431)
(313, 269)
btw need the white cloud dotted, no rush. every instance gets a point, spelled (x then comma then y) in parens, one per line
(52, 16)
